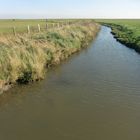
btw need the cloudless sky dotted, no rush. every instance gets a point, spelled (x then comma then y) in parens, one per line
(69, 8)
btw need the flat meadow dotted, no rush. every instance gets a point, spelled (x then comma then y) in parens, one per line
(126, 31)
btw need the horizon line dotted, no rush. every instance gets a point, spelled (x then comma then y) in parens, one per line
(61, 18)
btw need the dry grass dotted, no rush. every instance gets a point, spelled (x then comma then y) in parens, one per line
(25, 58)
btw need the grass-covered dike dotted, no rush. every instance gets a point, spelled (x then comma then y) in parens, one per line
(125, 31)
(25, 58)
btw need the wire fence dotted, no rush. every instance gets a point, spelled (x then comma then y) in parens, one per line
(38, 28)
(23, 27)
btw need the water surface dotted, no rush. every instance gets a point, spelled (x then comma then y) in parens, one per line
(95, 95)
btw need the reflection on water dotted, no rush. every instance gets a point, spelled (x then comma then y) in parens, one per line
(94, 95)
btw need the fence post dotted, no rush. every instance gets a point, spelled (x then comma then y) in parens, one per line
(53, 25)
(38, 27)
(28, 29)
(61, 24)
(14, 30)
(58, 25)
(48, 25)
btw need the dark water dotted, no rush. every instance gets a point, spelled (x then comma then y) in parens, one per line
(95, 95)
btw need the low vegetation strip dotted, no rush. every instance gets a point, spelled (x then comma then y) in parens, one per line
(24, 58)
(125, 31)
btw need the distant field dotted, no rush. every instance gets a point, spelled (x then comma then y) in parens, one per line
(6, 26)
(132, 24)
(21, 25)
(126, 31)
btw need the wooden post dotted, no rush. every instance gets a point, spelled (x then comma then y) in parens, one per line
(28, 29)
(14, 30)
(46, 26)
(38, 27)
(58, 25)
(53, 25)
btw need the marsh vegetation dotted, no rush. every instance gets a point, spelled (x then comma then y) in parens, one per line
(24, 58)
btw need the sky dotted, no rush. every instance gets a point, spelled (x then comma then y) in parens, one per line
(69, 9)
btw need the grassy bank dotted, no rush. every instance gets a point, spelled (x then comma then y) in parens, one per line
(125, 31)
(24, 58)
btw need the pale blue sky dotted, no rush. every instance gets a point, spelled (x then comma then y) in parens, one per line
(69, 8)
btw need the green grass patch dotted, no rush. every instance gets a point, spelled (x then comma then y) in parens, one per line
(126, 31)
